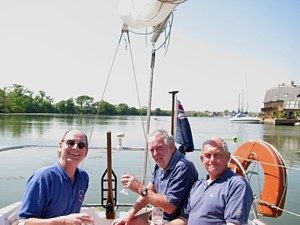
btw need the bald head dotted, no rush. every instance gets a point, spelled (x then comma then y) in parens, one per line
(218, 142)
(72, 132)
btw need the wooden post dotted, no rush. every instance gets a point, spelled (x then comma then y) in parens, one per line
(110, 206)
(173, 108)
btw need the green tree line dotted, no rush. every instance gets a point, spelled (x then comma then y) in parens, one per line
(17, 99)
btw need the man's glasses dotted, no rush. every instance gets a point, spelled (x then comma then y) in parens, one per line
(71, 143)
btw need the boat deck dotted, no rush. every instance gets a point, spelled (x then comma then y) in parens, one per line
(9, 214)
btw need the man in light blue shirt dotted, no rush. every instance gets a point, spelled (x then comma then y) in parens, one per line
(223, 197)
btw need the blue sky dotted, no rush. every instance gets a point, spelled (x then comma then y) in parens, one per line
(219, 50)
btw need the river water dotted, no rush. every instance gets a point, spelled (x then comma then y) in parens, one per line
(45, 131)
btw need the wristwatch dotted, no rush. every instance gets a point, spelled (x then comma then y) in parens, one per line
(144, 192)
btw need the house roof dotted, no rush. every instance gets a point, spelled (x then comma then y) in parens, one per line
(286, 93)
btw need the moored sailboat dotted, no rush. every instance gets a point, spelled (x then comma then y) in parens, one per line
(244, 118)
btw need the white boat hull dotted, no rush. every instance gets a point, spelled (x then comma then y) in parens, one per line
(245, 120)
(9, 214)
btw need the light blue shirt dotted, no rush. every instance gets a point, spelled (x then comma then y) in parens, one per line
(226, 199)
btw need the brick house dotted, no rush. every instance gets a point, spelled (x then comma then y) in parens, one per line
(282, 102)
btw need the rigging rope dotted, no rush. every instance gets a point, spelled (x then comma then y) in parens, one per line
(128, 44)
(136, 85)
(275, 207)
(105, 86)
(124, 30)
(270, 164)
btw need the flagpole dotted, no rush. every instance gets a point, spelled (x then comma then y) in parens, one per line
(173, 109)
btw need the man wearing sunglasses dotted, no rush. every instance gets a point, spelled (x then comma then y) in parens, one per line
(54, 194)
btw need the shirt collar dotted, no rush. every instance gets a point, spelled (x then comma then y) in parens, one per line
(64, 173)
(175, 158)
(228, 172)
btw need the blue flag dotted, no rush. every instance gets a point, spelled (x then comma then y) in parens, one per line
(183, 135)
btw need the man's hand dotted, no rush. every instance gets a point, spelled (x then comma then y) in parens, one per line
(132, 183)
(72, 219)
(79, 218)
(123, 221)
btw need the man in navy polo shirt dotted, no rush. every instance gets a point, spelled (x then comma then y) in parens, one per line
(223, 197)
(54, 194)
(170, 184)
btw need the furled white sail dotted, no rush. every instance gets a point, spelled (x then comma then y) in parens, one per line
(145, 13)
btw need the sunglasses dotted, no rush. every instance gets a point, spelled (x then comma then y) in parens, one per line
(71, 143)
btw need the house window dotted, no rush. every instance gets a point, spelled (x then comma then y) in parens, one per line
(292, 105)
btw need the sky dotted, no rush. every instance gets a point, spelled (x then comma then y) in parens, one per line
(220, 54)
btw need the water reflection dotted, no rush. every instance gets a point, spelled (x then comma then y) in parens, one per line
(47, 130)
(16, 125)
(286, 140)
(12, 126)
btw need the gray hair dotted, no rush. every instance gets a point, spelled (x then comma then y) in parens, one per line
(168, 138)
(222, 145)
(65, 134)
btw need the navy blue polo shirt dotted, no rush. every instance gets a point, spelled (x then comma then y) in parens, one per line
(50, 193)
(176, 182)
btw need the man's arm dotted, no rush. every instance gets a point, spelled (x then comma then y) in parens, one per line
(178, 221)
(153, 198)
(76, 218)
(157, 200)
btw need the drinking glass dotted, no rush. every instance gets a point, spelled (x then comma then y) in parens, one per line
(157, 216)
(124, 191)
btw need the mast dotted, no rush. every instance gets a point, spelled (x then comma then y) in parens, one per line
(157, 32)
(156, 16)
(148, 115)
(239, 109)
(246, 94)
(173, 110)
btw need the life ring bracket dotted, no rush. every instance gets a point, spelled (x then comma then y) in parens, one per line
(273, 193)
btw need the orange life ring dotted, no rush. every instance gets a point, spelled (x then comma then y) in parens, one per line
(275, 174)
